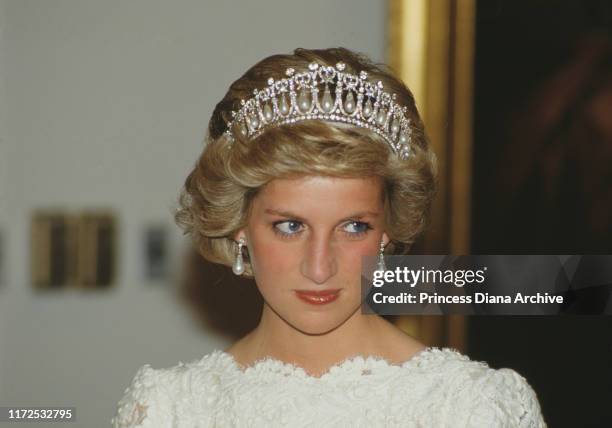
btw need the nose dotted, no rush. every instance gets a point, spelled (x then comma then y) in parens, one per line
(319, 262)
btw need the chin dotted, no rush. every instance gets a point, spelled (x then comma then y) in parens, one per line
(317, 323)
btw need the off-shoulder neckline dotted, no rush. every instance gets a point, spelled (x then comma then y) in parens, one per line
(351, 364)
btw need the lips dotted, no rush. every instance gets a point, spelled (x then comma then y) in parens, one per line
(318, 297)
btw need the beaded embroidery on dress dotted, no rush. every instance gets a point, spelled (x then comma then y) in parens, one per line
(435, 388)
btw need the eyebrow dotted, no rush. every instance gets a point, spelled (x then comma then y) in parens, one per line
(357, 215)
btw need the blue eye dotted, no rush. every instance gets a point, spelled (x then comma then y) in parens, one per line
(291, 228)
(361, 227)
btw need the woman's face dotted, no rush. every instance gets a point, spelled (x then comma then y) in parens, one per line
(310, 234)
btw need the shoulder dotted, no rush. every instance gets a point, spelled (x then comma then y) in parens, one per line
(155, 396)
(483, 396)
(144, 402)
(502, 398)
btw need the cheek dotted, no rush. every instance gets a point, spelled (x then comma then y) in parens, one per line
(273, 258)
(362, 249)
(353, 254)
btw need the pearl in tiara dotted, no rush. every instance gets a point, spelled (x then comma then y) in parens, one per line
(306, 95)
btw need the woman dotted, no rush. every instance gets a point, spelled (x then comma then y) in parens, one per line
(323, 161)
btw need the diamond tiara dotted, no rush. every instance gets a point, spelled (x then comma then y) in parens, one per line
(297, 97)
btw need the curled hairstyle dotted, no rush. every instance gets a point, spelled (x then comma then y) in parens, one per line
(215, 201)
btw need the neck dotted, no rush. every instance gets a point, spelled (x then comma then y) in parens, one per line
(359, 335)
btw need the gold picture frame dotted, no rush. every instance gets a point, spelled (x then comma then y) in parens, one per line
(431, 47)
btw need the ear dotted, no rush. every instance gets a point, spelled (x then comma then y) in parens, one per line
(385, 238)
(240, 234)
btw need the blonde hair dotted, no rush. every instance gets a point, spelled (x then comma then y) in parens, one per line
(215, 200)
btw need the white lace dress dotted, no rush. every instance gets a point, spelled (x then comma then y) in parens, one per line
(435, 388)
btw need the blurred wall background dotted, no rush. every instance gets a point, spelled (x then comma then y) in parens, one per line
(105, 105)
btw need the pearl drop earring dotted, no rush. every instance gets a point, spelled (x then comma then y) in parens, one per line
(238, 267)
(381, 260)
